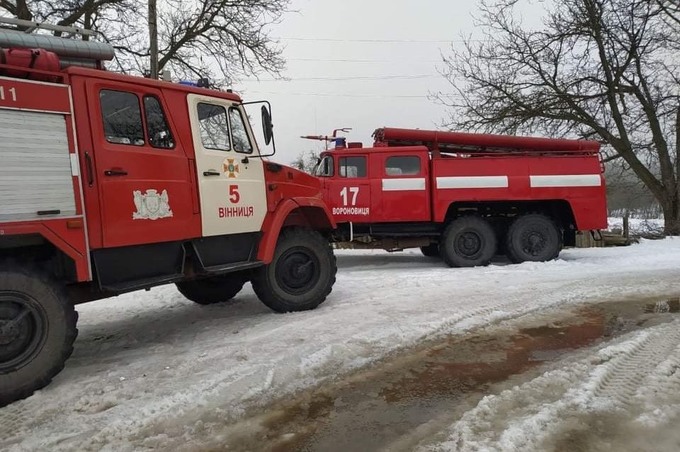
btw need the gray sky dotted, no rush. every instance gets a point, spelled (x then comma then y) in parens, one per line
(362, 64)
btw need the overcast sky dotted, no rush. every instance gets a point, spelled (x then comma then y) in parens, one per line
(362, 64)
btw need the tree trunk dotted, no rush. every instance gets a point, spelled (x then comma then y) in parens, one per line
(153, 40)
(671, 215)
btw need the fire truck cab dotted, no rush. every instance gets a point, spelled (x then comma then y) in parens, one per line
(112, 183)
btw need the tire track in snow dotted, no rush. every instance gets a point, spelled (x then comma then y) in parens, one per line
(636, 381)
(624, 374)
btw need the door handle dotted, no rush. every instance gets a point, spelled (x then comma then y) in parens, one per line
(115, 172)
(90, 171)
(211, 173)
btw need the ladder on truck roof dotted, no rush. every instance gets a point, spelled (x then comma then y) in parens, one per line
(71, 52)
(32, 26)
(478, 144)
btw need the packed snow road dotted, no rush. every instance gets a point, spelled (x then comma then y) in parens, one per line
(152, 370)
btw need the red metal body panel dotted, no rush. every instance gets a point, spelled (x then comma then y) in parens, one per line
(311, 210)
(27, 95)
(146, 168)
(588, 203)
(290, 190)
(70, 241)
(389, 203)
(39, 96)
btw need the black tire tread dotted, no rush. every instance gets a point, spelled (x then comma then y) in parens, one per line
(261, 285)
(462, 222)
(202, 291)
(9, 395)
(513, 254)
(431, 250)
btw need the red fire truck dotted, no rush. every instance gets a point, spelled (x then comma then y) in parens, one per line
(464, 197)
(112, 183)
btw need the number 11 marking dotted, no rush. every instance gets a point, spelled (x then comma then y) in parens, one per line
(12, 91)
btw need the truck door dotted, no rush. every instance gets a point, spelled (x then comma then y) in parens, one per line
(349, 191)
(405, 188)
(142, 171)
(230, 172)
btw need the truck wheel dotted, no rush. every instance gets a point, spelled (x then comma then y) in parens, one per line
(212, 290)
(533, 237)
(300, 276)
(37, 330)
(468, 242)
(431, 250)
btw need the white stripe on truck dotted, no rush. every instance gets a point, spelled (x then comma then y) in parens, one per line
(472, 182)
(404, 184)
(566, 180)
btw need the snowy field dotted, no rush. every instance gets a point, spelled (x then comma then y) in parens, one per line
(151, 370)
(637, 226)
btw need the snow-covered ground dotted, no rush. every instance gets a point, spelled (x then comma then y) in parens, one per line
(153, 370)
(623, 396)
(637, 226)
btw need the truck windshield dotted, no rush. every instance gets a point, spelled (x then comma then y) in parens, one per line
(324, 168)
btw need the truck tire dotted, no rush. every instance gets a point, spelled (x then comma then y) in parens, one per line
(533, 237)
(37, 330)
(468, 242)
(431, 250)
(212, 290)
(300, 276)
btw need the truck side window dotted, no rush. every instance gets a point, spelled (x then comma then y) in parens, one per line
(214, 127)
(406, 165)
(156, 125)
(122, 117)
(325, 167)
(239, 136)
(352, 166)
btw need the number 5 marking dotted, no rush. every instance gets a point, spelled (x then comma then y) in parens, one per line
(234, 195)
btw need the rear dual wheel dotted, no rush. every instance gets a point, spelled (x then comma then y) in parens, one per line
(533, 237)
(468, 242)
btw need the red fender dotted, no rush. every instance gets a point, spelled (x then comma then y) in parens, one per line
(312, 212)
(47, 230)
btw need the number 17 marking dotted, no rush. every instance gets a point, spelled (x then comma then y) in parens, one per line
(354, 191)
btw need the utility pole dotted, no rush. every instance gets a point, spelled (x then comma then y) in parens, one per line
(153, 40)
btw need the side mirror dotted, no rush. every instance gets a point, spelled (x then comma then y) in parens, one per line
(267, 125)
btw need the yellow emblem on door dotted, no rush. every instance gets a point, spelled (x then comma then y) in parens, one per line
(231, 168)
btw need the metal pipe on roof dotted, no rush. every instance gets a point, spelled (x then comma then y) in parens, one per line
(417, 136)
(69, 48)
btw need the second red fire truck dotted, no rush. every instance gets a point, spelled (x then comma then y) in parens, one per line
(464, 197)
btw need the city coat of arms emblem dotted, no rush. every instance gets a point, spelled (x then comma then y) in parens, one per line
(151, 205)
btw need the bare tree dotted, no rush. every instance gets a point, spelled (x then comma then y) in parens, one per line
(214, 38)
(306, 161)
(211, 37)
(601, 69)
